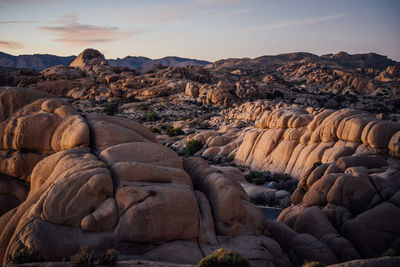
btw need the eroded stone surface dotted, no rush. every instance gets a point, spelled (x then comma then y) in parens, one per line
(103, 182)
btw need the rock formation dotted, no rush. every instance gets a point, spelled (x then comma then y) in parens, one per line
(103, 182)
(73, 177)
(347, 163)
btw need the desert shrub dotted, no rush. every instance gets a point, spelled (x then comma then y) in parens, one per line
(257, 177)
(191, 131)
(110, 258)
(163, 94)
(150, 116)
(257, 174)
(313, 264)
(155, 130)
(339, 98)
(111, 109)
(171, 131)
(131, 99)
(193, 146)
(142, 107)
(259, 181)
(185, 117)
(204, 125)
(391, 253)
(275, 94)
(231, 156)
(84, 257)
(204, 108)
(240, 124)
(224, 258)
(25, 255)
(280, 177)
(353, 99)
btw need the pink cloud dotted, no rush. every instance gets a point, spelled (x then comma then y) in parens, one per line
(10, 45)
(76, 34)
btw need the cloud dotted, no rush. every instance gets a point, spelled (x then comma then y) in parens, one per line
(16, 21)
(76, 34)
(291, 23)
(10, 45)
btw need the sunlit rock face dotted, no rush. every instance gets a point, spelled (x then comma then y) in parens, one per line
(69, 181)
(88, 60)
(348, 167)
(291, 140)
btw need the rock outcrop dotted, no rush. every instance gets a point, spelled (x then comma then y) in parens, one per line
(103, 182)
(89, 60)
(291, 140)
(348, 167)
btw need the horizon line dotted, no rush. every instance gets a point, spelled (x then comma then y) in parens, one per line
(279, 54)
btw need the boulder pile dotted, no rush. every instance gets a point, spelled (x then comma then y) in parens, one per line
(348, 165)
(103, 182)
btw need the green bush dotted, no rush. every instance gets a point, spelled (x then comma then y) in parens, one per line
(313, 264)
(110, 258)
(204, 125)
(25, 255)
(257, 174)
(142, 107)
(155, 130)
(224, 258)
(259, 181)
(110, 110)
(84, 257)
(131, 99)
(240, 124)
(171, 131)
(391, 253)
(163, 94)
(193, 146)
(280, 177)
(231, 156)
(150, 116)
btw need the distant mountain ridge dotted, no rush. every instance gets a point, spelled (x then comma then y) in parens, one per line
(36, 62)
(40, 62)
(342, 59)
(140, 62)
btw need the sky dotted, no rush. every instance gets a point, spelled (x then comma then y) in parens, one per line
(201, 29)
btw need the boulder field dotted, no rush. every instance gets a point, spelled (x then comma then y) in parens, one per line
(69, 181)
(348, 165)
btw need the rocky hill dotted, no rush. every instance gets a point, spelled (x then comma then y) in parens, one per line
(34, 62)
(40, 62)
(341, 59)
(138, 62)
